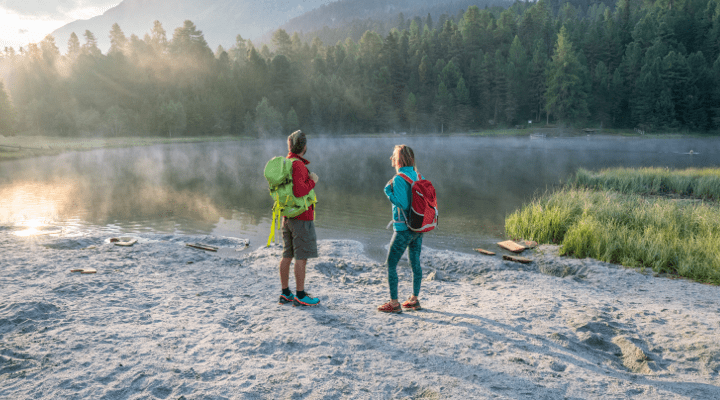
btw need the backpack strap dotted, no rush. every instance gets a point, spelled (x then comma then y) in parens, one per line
(407, 178)
(402, 212)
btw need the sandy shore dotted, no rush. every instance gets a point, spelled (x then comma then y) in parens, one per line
(160, 320)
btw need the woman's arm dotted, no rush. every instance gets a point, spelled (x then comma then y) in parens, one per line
(398, 192)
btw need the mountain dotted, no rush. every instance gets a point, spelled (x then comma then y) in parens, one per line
(219, 20)
(351, 18)
(343, 12)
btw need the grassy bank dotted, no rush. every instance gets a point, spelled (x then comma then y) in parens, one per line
(29, 146)
(675, 236)
(693, 183)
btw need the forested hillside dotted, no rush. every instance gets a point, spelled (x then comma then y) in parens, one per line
(344, 19)
(654, 66)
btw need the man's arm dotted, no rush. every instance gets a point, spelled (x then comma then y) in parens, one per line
(302, 184)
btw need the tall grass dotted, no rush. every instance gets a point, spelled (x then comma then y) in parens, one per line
(664, 234)
(696, 183)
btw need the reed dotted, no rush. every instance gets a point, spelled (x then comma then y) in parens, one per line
(693, 183)
(667, 235)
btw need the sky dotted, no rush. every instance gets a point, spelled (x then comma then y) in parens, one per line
(29, 21)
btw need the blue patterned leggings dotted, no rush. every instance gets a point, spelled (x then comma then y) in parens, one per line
(400, 241)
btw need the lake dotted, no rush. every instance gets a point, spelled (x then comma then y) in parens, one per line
(219, 189)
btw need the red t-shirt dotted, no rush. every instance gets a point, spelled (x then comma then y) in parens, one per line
(302, 184)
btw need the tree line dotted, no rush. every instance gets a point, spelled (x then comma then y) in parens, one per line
(651, 65)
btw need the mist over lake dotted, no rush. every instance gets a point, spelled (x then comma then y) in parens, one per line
(218, 188)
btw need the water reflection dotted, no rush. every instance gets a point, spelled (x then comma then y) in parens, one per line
(219, 188)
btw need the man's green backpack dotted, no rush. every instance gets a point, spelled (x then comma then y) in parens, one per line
(278, 173)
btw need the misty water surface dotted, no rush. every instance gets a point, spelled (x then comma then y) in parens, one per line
(218, 188)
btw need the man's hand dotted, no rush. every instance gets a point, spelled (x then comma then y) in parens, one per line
(314, 177)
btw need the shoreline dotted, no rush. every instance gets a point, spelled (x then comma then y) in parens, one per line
(27, 146)
(21, 147)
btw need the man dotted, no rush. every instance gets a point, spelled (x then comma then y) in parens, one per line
(298, 233)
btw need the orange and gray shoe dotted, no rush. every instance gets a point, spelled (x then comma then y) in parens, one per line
(306, 301)
(286, 298)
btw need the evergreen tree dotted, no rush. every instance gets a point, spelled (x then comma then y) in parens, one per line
(282, 42)
(291, 121)
(73, 49)
(268, 120)
(602, 97)
(172, 117)
(652, 106)
(411, 111)
(698, 96)
(7, 113)
(444, 103)
(158, 38)
(90, 47)
(239, 52)
(472, 30)
(118, 41)
(502, 103)
(518, 66)
(189, 43)
(463, 113)
(50, 52)
(565, 95)
(676, 76)
(714, 109)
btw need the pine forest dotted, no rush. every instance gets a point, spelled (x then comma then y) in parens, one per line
(648, 65)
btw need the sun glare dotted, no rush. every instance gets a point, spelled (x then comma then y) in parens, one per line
(33, 208)
(33, 227)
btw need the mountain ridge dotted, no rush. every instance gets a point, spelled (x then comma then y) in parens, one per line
(219, 20)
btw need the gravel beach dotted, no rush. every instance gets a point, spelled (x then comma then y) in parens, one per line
(160, 320)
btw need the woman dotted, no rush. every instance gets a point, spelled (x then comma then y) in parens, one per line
(398, 191)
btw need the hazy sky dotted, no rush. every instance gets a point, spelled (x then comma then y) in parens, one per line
(28, 21)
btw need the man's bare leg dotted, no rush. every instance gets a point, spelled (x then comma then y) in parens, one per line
(300, 274)
(285, 272)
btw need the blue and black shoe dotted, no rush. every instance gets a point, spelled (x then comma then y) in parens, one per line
(306, 301)
(286, 298)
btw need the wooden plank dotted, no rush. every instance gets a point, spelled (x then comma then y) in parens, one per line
(517, 259)
(486, 252)
(512, 246)
(202, 246)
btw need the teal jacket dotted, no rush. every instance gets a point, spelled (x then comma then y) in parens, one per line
(398, 191)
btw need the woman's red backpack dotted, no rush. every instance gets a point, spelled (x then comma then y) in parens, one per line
(423, 213)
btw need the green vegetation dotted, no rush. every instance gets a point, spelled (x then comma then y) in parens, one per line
(652, 66)
(675, 236)
(694, 183)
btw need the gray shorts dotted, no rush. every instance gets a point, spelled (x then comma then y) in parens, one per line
(300, 240)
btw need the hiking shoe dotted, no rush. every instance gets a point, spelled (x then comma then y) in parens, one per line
(390, 308)
(306, 301)
(284, 299)
(412, 305)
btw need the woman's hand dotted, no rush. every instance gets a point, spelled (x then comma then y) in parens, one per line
(314, 177)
